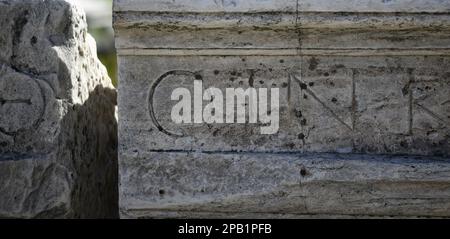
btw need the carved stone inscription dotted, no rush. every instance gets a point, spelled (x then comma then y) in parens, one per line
(27, 111)
(22, 101)
(327, 104)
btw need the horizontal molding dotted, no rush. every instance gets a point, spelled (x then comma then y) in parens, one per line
(180, 214)
(285, 52)
(267, 20)
(347, 185)
(282, 5)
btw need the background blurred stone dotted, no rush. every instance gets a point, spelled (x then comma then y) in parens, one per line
(99, 19)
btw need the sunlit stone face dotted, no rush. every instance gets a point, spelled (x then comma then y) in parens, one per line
(359, 84)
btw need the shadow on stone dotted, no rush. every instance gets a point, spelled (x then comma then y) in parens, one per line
(94, 141)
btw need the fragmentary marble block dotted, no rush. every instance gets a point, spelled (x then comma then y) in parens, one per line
(58, 130)
(364, 108)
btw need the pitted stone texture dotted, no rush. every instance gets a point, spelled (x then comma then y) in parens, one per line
(57, 115)
(198, 185)
(396, 105)
(364, 81)
(282, 5)
(22, 101)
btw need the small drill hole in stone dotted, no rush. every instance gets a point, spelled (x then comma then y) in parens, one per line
(303, 172)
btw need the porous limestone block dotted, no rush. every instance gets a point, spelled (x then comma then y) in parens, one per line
(327, 104)
(58, 130)
(249, 185)
(358, 81)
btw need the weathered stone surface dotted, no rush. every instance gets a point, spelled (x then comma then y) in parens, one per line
(282, 185)
(360, 105)
(282, 6)
(57, 115)
(355, 77)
